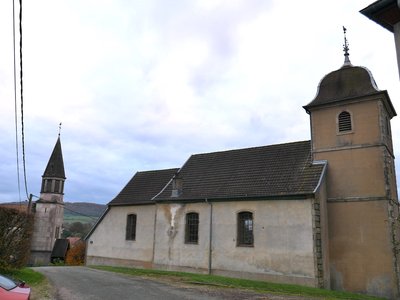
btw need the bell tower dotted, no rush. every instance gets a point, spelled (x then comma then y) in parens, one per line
(49, 209)
(350, 128)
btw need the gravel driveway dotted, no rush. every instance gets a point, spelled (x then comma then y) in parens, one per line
(81, 283)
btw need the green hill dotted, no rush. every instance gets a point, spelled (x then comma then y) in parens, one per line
(83, 212)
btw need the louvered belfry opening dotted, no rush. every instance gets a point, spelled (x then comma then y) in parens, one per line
(344, 121)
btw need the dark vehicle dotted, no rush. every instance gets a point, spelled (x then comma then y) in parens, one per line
(13, 290)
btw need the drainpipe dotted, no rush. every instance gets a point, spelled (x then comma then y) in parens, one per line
(154, 236)
(210, 239)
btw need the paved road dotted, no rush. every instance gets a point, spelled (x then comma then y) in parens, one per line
(81, 283)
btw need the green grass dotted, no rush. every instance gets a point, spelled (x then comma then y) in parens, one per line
(40, 287)
(31, 277)
(253, 285)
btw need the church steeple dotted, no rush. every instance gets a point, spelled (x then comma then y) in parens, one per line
(350, 129)
(55, 166)
(49, 209)
(54, 176)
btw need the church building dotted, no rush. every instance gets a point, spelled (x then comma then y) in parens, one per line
(49, 209)
(320, 213)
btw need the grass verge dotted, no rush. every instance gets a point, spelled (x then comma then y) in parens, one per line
(252, 285)
(40, 286)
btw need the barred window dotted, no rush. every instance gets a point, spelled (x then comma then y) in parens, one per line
(344, 121)
(192, 228)
(245, 229)
(131, 227)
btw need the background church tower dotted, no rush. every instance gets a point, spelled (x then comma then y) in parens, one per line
(350, 128)
(49, 209)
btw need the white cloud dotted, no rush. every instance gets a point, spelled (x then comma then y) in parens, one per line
(142, 85)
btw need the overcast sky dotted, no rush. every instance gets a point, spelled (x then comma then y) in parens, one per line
(142, 85)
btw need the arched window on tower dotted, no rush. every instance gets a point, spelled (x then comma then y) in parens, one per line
(344, 122)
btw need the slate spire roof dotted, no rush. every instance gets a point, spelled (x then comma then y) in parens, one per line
(55, 166)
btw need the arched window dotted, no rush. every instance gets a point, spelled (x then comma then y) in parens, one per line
(245, 229)
(344, 121)
(130, 233)
(192, 228)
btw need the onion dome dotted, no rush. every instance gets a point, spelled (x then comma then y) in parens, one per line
(349, 83)
(346, 83)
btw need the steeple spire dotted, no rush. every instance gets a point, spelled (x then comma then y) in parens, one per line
(55, 166)
(346, 49)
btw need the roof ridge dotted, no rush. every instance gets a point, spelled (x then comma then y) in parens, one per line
(255, 147)
(158, 170)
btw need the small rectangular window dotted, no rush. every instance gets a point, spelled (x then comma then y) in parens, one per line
(130, 227)
(245, 229)
(192, 228)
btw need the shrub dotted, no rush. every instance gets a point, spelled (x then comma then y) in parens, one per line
(16, 229)
(76, 254)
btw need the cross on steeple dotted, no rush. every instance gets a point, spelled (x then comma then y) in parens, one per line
(346, 49)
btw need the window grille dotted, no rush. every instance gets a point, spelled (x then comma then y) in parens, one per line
(131, 227)
(245, 229)
(344, 121)
(192, 228)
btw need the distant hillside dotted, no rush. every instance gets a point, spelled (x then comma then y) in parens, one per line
(82, 212)
(88, 209)
(73, 211)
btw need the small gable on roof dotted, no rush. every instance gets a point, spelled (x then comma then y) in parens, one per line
(276, 170)
(143, 187)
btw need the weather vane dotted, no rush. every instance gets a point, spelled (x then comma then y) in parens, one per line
(59, 129)
(346, 48)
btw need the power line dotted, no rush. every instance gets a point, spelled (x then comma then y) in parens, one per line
(15, 105)
(22, 98)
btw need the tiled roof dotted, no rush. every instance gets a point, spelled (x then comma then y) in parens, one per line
(55, 166)
(276, 170)
(143, 187)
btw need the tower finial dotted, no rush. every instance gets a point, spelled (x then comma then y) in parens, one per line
(59, 129)
(346, 49)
